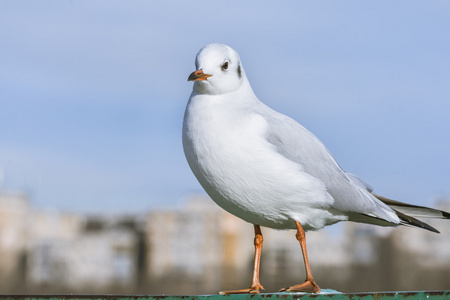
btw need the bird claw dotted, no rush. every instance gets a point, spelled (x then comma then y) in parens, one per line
(250, 290)
(243, 291)
(308, 286)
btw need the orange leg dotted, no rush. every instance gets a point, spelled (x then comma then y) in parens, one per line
(309, 285)
(255, 286)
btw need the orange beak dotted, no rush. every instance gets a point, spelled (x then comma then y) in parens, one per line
(198, 75)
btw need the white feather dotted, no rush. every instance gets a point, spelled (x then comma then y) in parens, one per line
(263, 166)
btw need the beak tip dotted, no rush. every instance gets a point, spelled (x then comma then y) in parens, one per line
(198, 75)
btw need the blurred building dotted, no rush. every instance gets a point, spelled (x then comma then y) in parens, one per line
(198, 248)
(401, 258)
(48, 251)
(14, 226)
(83, 253)
(430, 250)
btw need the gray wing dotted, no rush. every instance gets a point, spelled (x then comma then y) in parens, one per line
(411, 210)
(358, 181)
(296, 143)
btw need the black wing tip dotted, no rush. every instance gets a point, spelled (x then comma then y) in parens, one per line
(430, 228)
(411, 221)
(445, 214)
(420, 224)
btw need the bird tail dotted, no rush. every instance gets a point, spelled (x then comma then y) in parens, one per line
(408, 213)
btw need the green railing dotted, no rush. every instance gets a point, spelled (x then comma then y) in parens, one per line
(422, 295)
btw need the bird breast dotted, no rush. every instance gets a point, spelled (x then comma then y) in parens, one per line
(241, 171)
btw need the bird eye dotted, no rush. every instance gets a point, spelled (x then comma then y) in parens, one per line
(225, 66)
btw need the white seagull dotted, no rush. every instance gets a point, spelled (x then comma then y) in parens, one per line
(267, 169)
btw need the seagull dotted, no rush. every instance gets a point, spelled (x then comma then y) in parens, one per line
(268, 170)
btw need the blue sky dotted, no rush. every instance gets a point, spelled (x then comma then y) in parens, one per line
(92, 93)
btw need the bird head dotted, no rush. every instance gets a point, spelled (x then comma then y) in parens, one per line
(218, 70)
